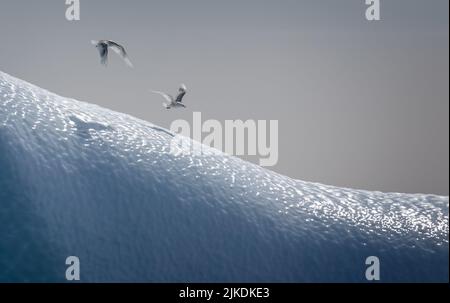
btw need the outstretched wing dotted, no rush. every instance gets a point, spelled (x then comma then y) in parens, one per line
(180, 97)
(120, 50)
(168, 97)
(103, 51)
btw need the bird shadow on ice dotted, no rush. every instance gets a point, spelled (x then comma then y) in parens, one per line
(83, 128)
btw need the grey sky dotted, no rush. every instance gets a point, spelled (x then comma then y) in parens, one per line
(359, 104)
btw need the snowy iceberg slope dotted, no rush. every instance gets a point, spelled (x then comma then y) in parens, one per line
(77, 179)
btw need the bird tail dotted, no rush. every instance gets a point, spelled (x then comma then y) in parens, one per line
(166, 105)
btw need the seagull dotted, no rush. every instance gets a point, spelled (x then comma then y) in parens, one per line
(104, 45)
(171, 101)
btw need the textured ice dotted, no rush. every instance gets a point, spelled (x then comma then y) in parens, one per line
(78, 179)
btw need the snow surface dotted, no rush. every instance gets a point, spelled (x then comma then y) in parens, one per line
(78, 179)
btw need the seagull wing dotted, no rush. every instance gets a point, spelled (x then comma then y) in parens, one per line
(120, 50)
(180, 97)
(103, 51)
(168, 97)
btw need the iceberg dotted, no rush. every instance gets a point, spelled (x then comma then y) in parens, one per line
(80, 180)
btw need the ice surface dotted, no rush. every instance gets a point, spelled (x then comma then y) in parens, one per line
(78, 179)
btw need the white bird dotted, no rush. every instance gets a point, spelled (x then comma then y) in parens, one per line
(171, 101)
(104, 45)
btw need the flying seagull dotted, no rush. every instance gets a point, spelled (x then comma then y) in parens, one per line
(171, 101)
(104, 45)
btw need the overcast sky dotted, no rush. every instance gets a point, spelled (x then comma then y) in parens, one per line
(360, 104)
